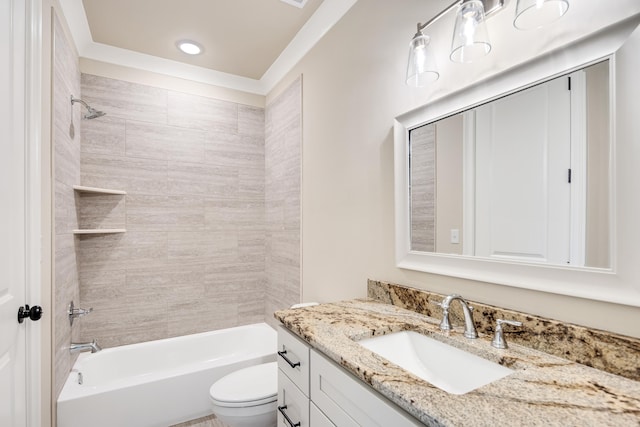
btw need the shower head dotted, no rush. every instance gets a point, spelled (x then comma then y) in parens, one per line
(91, 113)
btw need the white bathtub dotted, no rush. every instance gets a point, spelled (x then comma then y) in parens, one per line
(159, 383)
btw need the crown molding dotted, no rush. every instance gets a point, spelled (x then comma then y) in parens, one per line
(325, 17)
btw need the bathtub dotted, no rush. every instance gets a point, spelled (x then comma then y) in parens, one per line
(159, 383)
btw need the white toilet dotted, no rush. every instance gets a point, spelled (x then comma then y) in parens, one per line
(247, 397)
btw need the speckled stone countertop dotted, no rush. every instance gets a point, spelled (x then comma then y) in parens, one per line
(544, 390)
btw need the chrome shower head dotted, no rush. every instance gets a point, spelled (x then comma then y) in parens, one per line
(91, 113)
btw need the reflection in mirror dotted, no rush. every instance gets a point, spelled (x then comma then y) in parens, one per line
(525, 177)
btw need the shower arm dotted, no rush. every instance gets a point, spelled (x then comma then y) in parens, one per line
(74, 100)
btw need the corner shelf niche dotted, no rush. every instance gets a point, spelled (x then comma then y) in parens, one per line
(96, 190)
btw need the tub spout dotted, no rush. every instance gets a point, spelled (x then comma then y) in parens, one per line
(87, 346)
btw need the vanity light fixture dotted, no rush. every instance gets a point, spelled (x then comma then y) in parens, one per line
(533, 14)
(189, 47)
(422, 67)
(470, 36)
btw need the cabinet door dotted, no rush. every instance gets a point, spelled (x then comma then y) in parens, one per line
(292, 404)
(293, 359)
(348, 402)
(317, 418)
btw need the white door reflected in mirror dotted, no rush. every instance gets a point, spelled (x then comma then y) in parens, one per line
(536, 168)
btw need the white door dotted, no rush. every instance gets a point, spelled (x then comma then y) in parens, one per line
(523, 196)
(12, 213)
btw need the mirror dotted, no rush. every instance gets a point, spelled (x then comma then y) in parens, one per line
(537, 182)
(610, 275)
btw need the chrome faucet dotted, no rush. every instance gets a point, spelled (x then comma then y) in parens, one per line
(469, 327)
(80, 347)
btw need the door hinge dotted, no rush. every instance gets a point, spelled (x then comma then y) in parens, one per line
(569, 176)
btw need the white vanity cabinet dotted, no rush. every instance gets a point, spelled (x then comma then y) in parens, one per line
(293, 380)
(329, 396)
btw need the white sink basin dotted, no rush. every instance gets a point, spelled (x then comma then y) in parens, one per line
(448, 368)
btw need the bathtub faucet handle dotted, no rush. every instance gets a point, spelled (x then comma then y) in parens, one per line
(74, 312)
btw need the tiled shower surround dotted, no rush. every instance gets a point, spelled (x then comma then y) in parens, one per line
(211, 242)
(283, 136)
(212, 210)
(193, 256)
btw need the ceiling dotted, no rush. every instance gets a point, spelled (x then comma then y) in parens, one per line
(241, 37)
(249, 45)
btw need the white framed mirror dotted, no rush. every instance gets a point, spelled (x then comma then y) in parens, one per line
(602, 265)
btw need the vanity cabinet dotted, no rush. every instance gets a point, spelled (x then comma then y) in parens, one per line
(293, 380)
(328, 395)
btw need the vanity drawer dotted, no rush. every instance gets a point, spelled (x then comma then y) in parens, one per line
(293, 359)
(317, 418)
(349, 403)
(292, 403)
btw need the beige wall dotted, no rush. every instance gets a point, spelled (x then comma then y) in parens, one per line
(598, 147)
(352, 90)
(449, 180)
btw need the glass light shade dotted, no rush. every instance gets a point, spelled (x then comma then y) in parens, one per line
(470, 36)
(421, 68)
(532, 14)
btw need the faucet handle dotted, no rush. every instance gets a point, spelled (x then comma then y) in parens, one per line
(498, 338)
(74, 312)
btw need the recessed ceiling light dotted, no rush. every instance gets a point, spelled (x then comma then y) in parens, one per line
(189, 47)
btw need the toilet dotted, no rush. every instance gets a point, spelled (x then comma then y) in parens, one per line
(247, 397)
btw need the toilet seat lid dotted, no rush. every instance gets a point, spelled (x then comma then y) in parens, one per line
(250, 386)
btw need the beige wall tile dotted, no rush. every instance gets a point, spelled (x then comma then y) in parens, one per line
(118, 251)
(234, 214)
(100, 210)
(198, 112)
(283, 139)
(234, 150)
(202, 179)
(104, 135)
(125, 100)
(165, 213)
(155, 141)
(66, 160)
(133, 175)
(251, 121)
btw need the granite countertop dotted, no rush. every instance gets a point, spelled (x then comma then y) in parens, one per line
(544, 390)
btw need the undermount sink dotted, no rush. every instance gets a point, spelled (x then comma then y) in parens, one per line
(448, 368)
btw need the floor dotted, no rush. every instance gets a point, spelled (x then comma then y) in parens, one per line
(209, 421)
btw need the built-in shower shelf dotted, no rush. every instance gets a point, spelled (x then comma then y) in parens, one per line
(103, 191)
(100, 231)
(83, 189)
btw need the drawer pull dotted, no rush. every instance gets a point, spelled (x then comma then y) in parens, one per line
(282, 354)
(284, 414)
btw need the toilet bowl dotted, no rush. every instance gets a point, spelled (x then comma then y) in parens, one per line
(247, 397)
